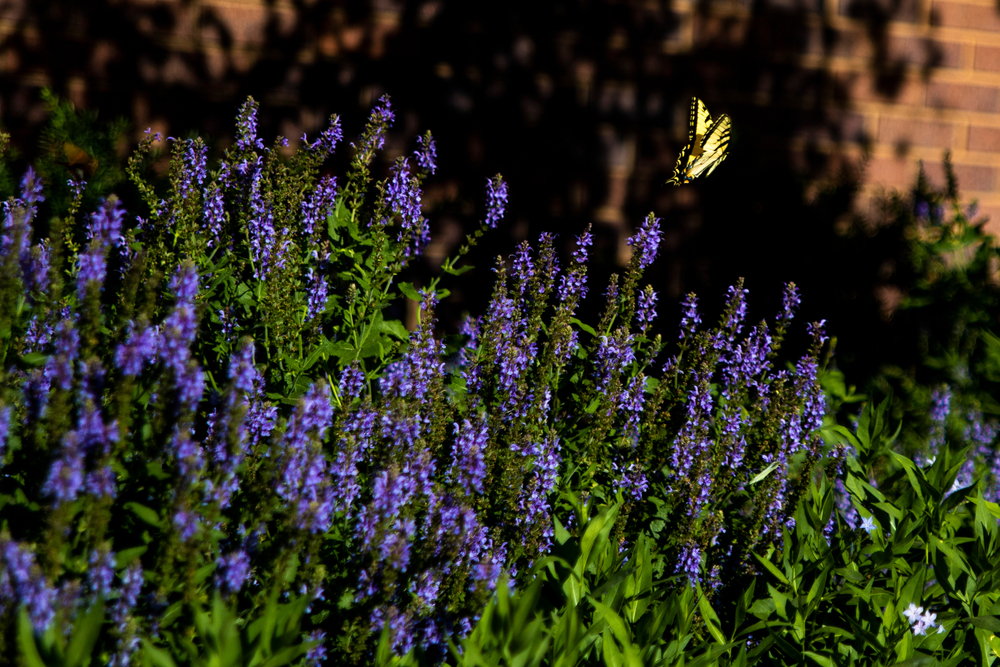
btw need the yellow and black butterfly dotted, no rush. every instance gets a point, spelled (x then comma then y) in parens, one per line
(707, 147)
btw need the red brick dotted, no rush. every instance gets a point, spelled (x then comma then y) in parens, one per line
(970, 177)
(987, 58)
(992, 214)
(985, 139)
(896, 10)
(890, 172)
(910, 132)
(851, 43)
(860, 87)
(960, 15)
(926, 53)
(245, 24)
(962, 96)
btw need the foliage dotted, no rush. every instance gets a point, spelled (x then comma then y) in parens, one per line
(209, 403)
(944, 374)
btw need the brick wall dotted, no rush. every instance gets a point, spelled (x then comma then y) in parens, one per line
(944, 94)
(909, 83)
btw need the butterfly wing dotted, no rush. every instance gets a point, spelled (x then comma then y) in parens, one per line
(714, 149)
(699, 124)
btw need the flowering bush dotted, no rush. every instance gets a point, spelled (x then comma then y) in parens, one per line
(205, 400)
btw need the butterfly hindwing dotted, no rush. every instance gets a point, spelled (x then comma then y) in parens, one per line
(714, 149)
(708, 143)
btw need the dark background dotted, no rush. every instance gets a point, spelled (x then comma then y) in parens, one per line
(581, 105)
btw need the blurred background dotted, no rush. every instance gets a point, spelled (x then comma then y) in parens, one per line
(582, 105)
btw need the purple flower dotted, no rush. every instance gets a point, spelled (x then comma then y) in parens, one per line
(735, 313)
(646, 311)
(402, 198)
(187, 524)
(317, 654)
(790, 302)
(76, 188)
(328, 138)
(246, 127)
(940, 409)
(304, 478)
(131, 587)
(138, 349)
(65, 478)
(379, 122)
(633, 480)
(583, 241)
(469, 467)
(5, 412)
(234, 570)
(35, 267)
(923, 211)
(690, 319)
(319, 205)
(106, 223)
(614, 353)
(101, 482)
(92, 267)
(426, 155)
(689, 562)
(101, 572)
(631, 403)
(534, 503)
(214, 213)
(24, 582)
(267, 252)
(194, 163)
(31, 187)
(317, 294)
(496, 200)
(646, 241)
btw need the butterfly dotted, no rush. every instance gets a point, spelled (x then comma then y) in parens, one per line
(707, 147)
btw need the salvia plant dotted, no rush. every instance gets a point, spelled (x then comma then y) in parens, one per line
(219, 448)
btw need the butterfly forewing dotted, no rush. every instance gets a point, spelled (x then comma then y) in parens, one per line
(714, 149)
(708, 143)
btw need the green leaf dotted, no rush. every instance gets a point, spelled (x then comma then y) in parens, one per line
(26, 640)
(824, 661)
(144, 513)
(465, 268)
(772, 569)
(991, 623)
(156, 656)
(708, 615)
(409, 291)
(86, 632)
(764, 473)
(395, 328)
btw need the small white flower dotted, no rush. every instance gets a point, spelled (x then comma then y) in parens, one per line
(912, 612)
(868, 523)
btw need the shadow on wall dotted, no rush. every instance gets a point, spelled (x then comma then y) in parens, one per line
(581, 105)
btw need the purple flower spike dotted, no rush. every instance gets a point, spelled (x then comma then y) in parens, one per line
(426, 155)
(106, 222)
(646, 241)
(138, 349)
(496, 200)
(234, 570)
(246, 127)
(31, 187)
(319, 205)
(690, 319)
(328, 138)
(646, 311)
(5, 413)
(790, 302)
